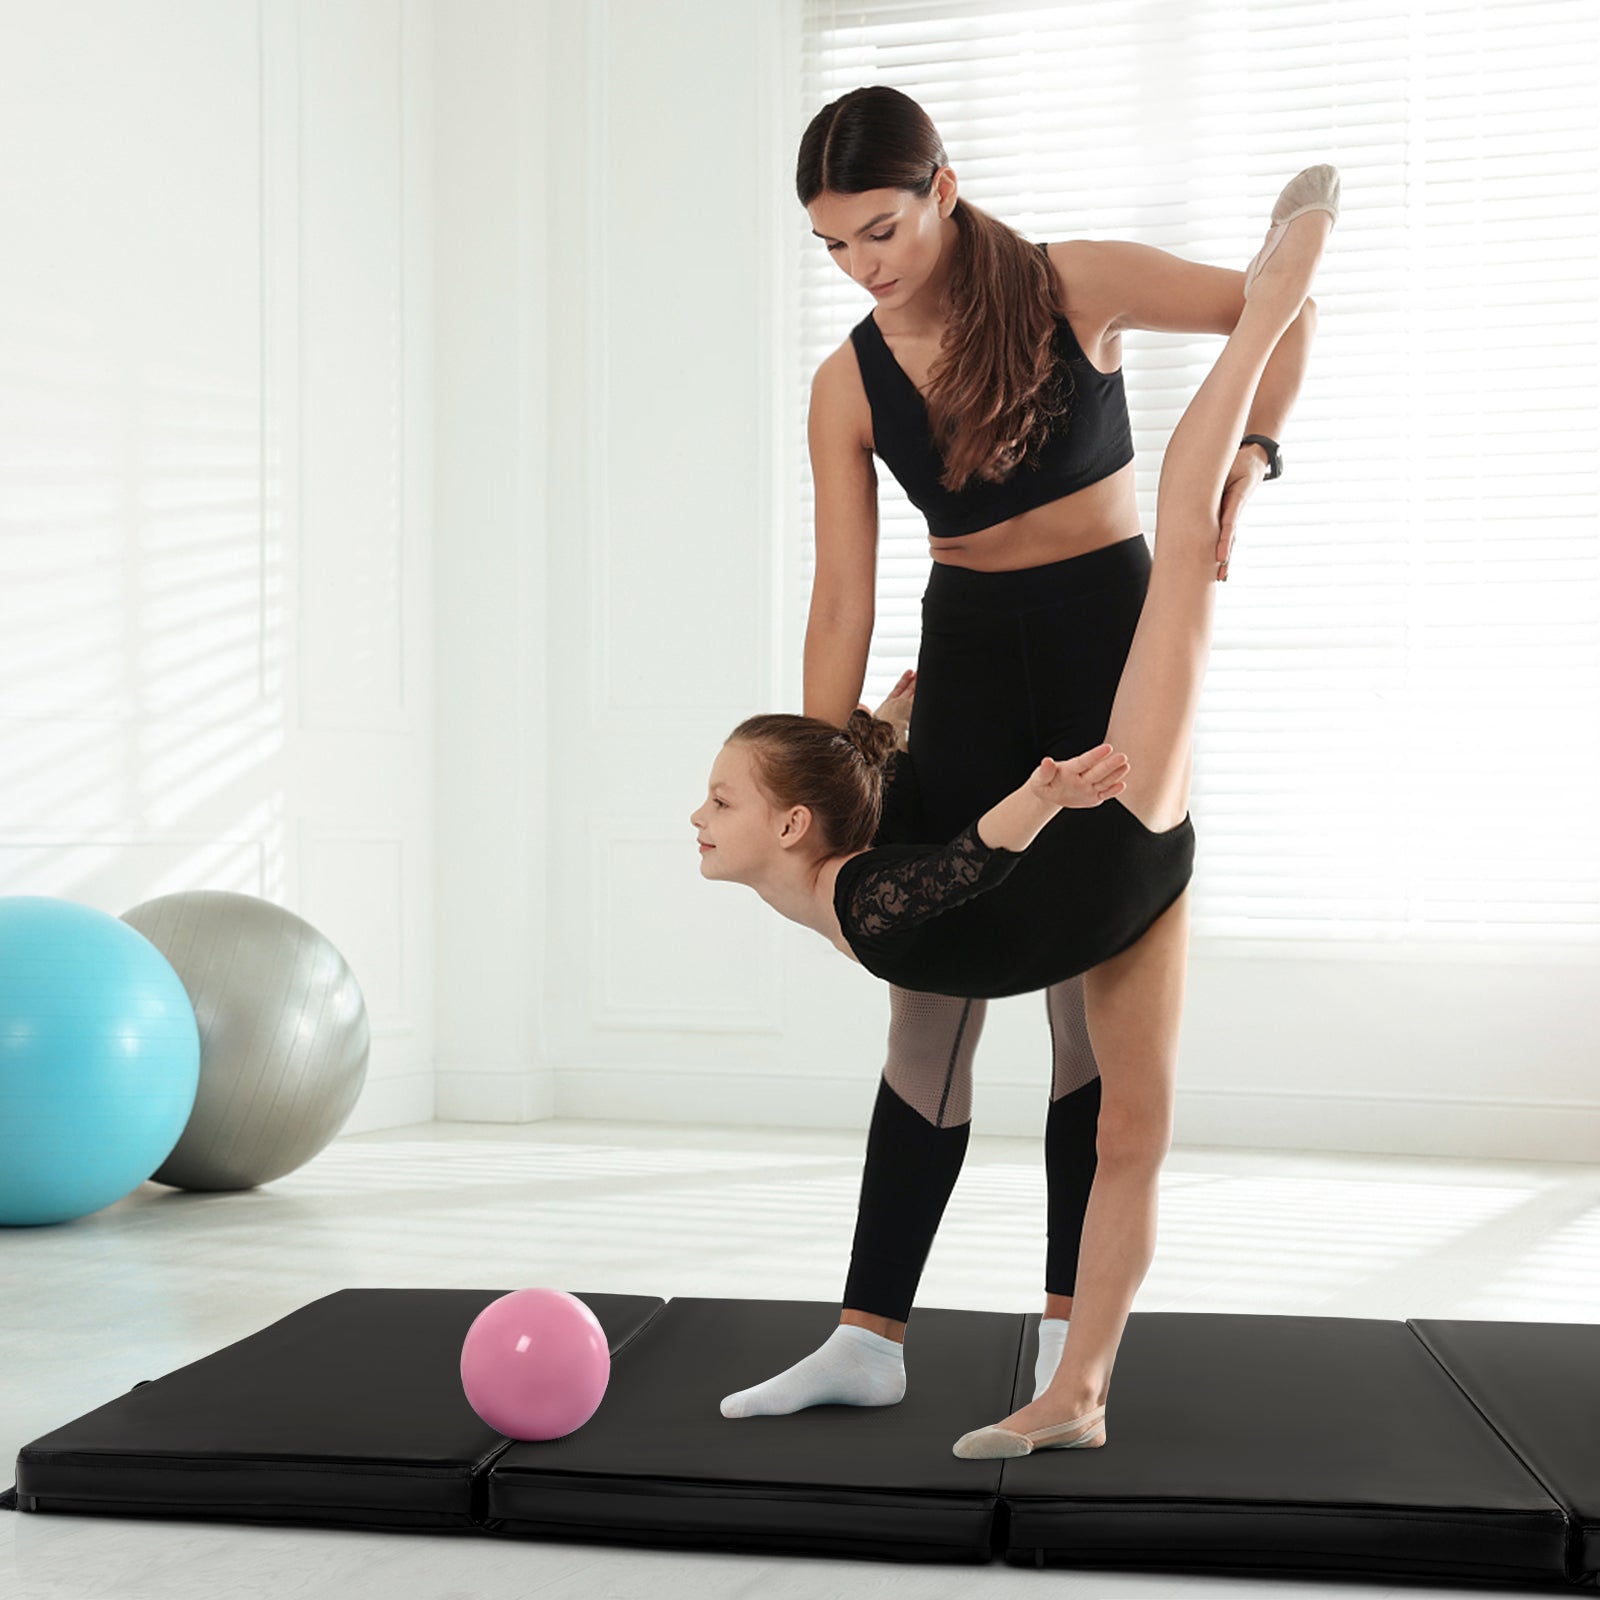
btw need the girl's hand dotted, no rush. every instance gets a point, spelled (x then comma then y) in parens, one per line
(897, 708)
(1248, 469)
(1083, 781)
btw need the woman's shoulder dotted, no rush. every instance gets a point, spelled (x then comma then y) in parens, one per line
(838, 394)
(840, 369)
(1088, 296)
(1084, 277)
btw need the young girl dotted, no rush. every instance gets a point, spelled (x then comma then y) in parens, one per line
(1071, 872)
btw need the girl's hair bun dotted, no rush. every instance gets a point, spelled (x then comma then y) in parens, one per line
(875, 739)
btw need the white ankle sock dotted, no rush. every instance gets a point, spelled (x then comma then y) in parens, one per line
(1052, 1340)
(852, 1367)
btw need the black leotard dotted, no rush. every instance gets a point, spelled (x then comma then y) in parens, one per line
(967, 919)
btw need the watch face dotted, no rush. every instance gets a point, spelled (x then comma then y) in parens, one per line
(1274, 458)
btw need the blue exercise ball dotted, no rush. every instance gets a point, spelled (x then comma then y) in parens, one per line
(99, 1059)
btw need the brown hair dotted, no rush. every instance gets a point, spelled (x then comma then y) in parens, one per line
(836, 772)
(993, 390)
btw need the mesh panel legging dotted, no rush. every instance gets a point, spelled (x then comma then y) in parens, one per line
(1012, 666)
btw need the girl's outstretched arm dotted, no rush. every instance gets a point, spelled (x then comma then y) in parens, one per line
(1084, 780)
(891, 897)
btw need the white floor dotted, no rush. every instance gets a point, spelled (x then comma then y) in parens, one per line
(90, 1308)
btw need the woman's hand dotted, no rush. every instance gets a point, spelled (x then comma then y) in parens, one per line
(897, 708)
(1248, 469)
(1084, 780)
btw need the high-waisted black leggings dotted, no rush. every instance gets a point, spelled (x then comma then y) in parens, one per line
(1012, 666)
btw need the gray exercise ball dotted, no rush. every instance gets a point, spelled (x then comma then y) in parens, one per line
(283, 1036)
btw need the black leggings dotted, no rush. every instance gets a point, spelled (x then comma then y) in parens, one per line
(1012, 666)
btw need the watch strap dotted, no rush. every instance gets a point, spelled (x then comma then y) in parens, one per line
(1274, 455)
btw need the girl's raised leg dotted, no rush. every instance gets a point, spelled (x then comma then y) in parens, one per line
(1134, 1000)
(1158, 695)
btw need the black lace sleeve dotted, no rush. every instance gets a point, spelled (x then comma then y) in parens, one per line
(901, 894)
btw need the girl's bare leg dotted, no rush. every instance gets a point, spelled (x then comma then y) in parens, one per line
(1152, 717)
(1134, 1001)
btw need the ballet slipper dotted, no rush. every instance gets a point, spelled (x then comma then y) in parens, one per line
(1315, 189)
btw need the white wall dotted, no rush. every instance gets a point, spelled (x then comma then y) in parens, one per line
(215, 327)
(394, 518)
(671, 998)
(675, 609)
(495, 85)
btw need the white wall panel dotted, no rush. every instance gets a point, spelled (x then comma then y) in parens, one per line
(130, 360)
(679, 448)
(355, 893)
(213, 504)
(117, 870)
(490, 591)
(352, 351)
(671, 950)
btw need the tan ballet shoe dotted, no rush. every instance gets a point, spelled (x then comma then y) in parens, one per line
(1315, 189)
(986, 1444)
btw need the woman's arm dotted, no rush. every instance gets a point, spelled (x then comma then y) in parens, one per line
(1143, 287)
(843, 591)
(1116, 284)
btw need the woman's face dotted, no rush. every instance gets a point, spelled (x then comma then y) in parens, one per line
(887, 240)
(739, 829)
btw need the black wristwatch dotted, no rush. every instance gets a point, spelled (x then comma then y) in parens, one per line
(1274, 457)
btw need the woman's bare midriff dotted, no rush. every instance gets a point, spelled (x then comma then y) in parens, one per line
(1103, 513)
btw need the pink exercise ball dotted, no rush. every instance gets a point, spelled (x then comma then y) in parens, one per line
(535, 1364)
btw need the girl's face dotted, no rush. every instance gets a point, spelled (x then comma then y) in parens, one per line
(740, 831)
(887, 240)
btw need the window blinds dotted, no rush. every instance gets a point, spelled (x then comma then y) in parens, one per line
(1397, 740)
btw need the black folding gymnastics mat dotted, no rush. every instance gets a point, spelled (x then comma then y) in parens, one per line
(1326, 1445)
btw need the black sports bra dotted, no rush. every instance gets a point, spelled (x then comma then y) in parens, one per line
(1090, 441)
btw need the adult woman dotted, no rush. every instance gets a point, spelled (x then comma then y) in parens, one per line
(937, 917)
(983, 357)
